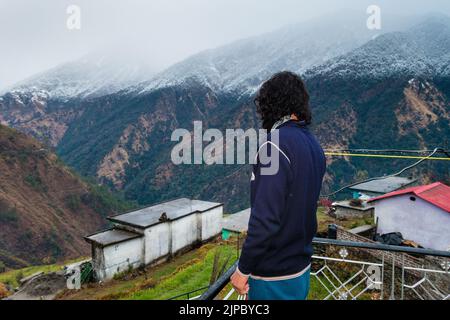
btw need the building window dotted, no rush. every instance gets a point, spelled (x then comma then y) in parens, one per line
(412, 198)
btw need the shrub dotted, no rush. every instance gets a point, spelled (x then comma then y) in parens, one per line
(2, 267)
(19, 276)
(51, 244)
(102, 201)
(35, 182)
(7, 214)
(3, 291)
(73, 202)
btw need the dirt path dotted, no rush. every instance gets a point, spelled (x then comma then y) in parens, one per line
(42, 287)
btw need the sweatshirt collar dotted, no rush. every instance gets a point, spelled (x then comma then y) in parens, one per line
(287, 121)
(280, 122)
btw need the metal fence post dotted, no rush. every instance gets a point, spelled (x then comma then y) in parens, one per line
(403, 278)
(392, 297)
(382, 277)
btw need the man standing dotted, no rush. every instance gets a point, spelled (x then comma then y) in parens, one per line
(276, 256)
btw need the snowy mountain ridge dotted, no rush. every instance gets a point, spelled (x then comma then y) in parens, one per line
(423, 50)
(93, 75)
(328, 44)
(241, 66)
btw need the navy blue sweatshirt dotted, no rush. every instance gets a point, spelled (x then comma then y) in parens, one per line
(283, 206)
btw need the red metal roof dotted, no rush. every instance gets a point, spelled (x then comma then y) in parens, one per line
(436, 193)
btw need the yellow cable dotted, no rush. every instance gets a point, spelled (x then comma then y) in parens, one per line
(339, 154)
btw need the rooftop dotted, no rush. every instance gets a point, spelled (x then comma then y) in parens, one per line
(347, 204)
(436, 193)
(111, 236)
(237, 222)
(162, 212)
(384, 185)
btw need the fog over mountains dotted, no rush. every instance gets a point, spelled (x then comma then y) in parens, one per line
(420, 50)
(113, 120)
(100, 73)
(241, 65)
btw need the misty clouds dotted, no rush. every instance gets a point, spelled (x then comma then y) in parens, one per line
(34, 36)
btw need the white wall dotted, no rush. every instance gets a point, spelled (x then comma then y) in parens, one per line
(119, 257)
(184, 232)
(157, 242)
(168, 238)
(211, 223)
(418, 220)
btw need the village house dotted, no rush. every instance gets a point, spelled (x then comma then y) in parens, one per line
(379, 187)
(420, 214)
(151, 235)
(350, 209)
(235, 224)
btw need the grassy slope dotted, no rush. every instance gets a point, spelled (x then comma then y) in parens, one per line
(182, 274)
(188, 278)
(11, 277)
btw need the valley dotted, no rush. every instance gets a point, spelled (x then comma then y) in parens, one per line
(388, 90)
(45, 208)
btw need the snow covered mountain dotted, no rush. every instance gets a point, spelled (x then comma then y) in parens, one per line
(242, 65)
(93, 75)
(238, 67)
(423, 50)
(46, 104)
(358, 80)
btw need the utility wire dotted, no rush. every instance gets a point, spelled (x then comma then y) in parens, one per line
(386, 151)
(421, 159)
(436, 150)
(385, 156)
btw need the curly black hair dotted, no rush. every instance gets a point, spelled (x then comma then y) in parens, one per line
(283, 94)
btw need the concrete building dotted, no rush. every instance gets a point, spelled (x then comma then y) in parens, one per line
(235, 223)
(420, 214)
(150, 235)
(379, 187)
(348, 210)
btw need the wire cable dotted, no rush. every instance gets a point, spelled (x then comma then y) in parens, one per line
(436, 150)
(385, 156)
(421, 159)
(386, 151)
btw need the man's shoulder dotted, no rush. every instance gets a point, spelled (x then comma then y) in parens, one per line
(295, 141)
(286, 133)
(289, 136)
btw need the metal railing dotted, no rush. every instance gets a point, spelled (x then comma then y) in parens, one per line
(343, 270)
(191, 295)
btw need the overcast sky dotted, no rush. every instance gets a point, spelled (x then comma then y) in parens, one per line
(34, 36)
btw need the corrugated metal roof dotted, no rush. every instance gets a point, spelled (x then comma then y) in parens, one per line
(171, 210)
(237, 222)
(347, 204)
(436, 193)
(111, 236)
(384, 185)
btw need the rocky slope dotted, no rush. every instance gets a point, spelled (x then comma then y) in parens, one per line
(45, 209)
(45, 104)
